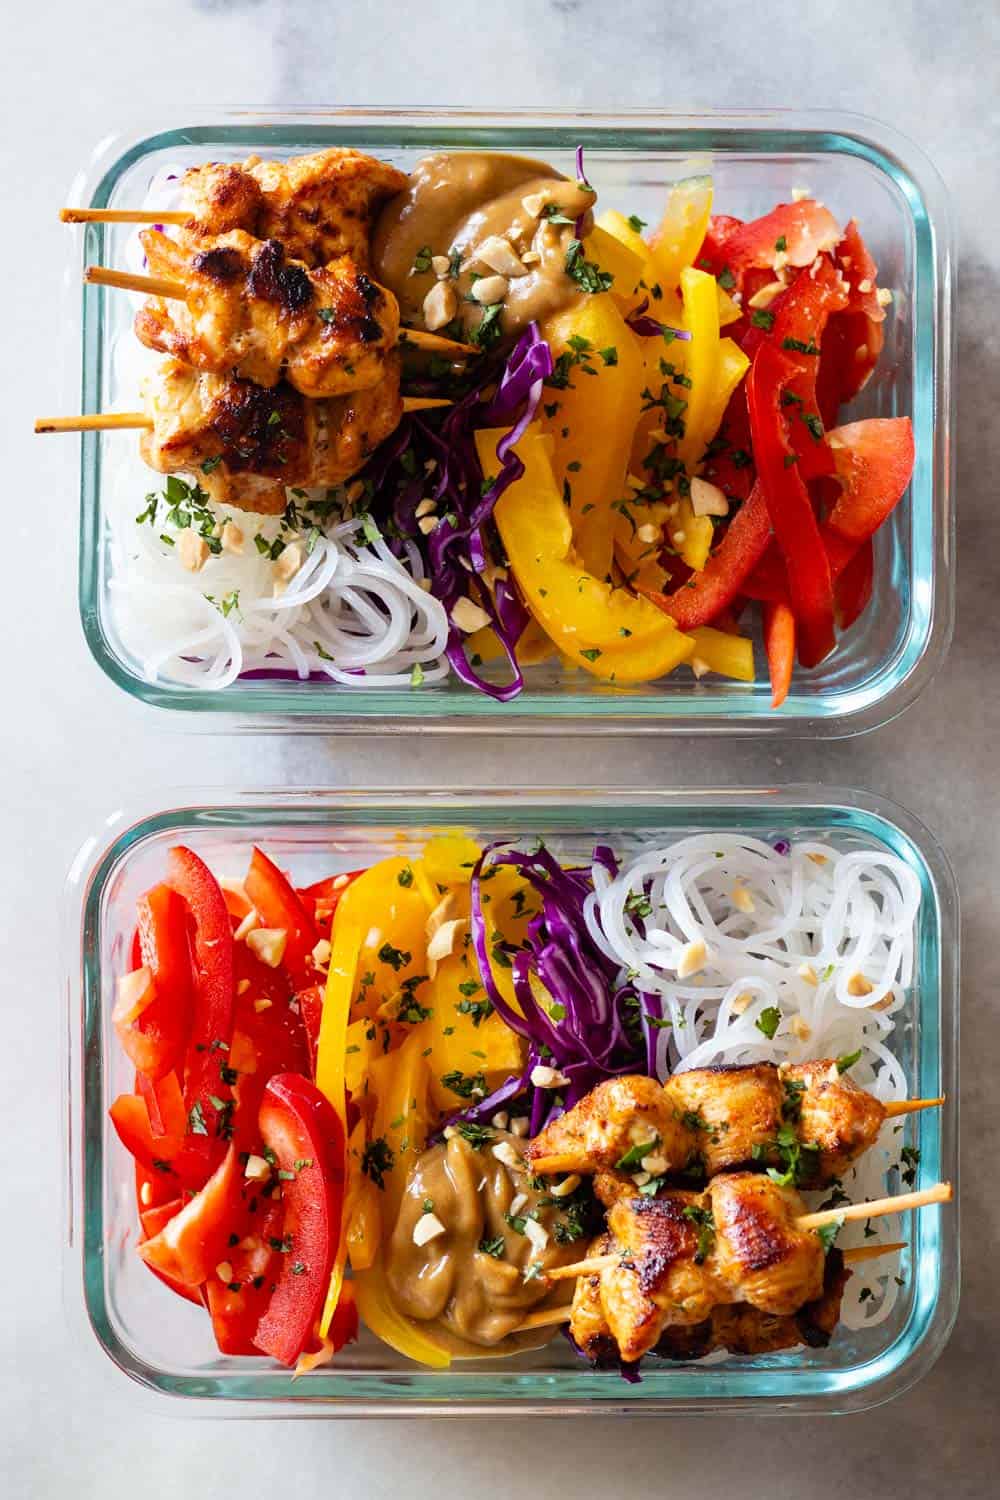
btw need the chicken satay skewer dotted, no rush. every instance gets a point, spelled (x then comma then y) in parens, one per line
(727, 1115)
(894, 1109)
(108, 421)
(176, 291)
(875, 1208)
(548, 1317)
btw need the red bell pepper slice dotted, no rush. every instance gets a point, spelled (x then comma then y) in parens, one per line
(789, 507)
(268, 1038)
(874, 462)
(853, 588)
(729, 461)
(714, 589)
(712, 255)
(236, 1306)
(164, 1104)
(166, 951)
(797, 231)
(321, 899)
(311, 1010)
(186, 1161)
(779, 643)
(278, 905)
(854, 337)
(153, 1220)
(299, 1125)
(796, 321)
(192, 1243)
(214, 988)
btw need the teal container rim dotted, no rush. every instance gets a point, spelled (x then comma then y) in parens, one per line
(888, 687)
(356, 1393)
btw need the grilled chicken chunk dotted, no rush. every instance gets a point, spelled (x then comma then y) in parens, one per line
(321, 206)
(711, 1120)
(735, 1327)
(246, 444)
(251, 311)
(683, 1254)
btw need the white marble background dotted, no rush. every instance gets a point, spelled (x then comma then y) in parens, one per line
(71, 748)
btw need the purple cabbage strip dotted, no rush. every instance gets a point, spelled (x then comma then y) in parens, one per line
(582, 180)
(651, 328)
(460, 543)
(590, 1039)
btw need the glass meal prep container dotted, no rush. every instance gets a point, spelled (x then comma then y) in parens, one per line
(168, 1347)
(857, 167)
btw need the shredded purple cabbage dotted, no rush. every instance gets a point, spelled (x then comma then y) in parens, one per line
(596, 1027)
(651, 328)
(462, 541)
(582, 180)
(782, 846)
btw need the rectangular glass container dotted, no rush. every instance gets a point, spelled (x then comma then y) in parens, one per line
(858, 167)
(167, 1346)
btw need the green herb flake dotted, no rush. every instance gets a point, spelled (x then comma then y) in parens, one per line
(377, 1158)
(768, 1021)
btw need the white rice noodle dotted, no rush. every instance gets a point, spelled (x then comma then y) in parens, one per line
(833, 916)
(354, 612)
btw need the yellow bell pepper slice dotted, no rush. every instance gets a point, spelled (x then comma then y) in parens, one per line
(379, 1313)
(401, 1081)
(462, 1039)
(678, 236)
(331, 1057)
(361, 1210)
(450, 859)
(729, 311)
(608, 631)
(729, 655)
(401, 1117)
(592, 420)
(731, 366)
(616, 224)
(701, 319)
(622, 262)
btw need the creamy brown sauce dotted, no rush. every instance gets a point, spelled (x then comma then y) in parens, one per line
(474, 1295)
(455, 205)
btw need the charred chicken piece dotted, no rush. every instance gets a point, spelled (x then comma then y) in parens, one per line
(803, 1117)
(250, 311)
(320, 206)
(245, 444)
(682, 1255)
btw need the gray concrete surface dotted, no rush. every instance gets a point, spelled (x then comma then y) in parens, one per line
(71, 748)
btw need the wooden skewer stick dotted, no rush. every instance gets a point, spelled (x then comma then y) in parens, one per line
(161, 286)
(547, 1165)
(123, 216)
(153, 286)
(548, 1317)
(102, 421)
(872, 1252)
(877, 1207)
(435, 344)
(110, 421)
(910, 1106)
